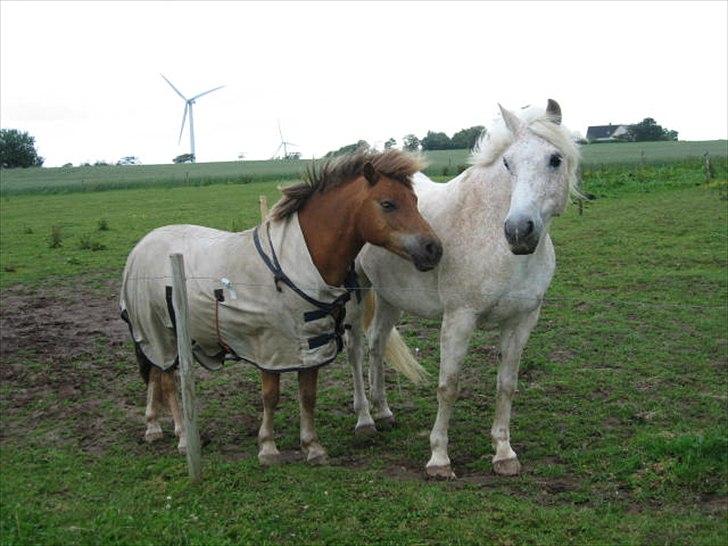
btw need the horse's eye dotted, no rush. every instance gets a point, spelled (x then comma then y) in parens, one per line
(505, 162)
(388, 206)
(555, 160)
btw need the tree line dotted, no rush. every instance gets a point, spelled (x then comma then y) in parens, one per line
(17, 148)
(463, 139)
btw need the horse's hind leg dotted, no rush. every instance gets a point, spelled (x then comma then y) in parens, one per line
(355, 349)
(385, 317)
(514, 336)
(154, 399)
(310, 445)
(268, 453)
(169, 393)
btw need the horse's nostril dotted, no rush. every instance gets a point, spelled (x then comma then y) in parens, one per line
(529, 227)
(430, 249)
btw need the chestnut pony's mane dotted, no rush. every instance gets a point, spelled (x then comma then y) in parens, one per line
(394, 164)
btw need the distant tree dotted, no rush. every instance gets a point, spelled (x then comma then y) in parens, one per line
(411, 143)
(184, 158)
(436, 141)
(101, 163)
(466, 138)
(391, 143)
(649, 130)
(360, 145)
(292, 156)
(129, 160)
(18, 150)
(67, 165)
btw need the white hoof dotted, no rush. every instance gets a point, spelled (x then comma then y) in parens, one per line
(269, 459)
(315, 454)
(386, 421)
(365, 430)
(507, 467)
(440, 472)
(153, 433)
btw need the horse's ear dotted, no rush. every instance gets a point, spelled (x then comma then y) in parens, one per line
(554, 111)
(370, 173)
(513, 122)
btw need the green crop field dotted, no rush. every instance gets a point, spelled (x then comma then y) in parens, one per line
(620, 421)
(442, 163)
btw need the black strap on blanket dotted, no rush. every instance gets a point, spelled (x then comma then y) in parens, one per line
(336, 308)
(170, 306)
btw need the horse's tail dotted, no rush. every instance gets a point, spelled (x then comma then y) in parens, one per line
(396, 352)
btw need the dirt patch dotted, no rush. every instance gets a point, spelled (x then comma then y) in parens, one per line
(59, 323)
(65, 367)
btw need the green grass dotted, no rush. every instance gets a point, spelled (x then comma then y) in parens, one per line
(620, 420)
(26, 221)
(441, 163)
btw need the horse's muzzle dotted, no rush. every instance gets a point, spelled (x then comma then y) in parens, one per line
(522, 234)
(424, 251)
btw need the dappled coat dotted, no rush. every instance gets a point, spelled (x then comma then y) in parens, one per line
(237, 306)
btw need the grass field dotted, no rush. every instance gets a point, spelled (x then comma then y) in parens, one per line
(441, 163)
(620, 421)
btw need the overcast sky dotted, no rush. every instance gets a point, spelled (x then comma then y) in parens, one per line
(84, 78)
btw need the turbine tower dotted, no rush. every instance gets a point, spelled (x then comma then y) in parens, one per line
(188, 107)
(284, 144)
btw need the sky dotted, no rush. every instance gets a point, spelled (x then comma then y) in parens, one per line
(84, 77)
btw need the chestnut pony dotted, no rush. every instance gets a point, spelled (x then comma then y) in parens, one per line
(319, 227)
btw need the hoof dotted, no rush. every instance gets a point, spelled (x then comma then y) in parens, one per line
(440, 472)
(315, 454)
(153, 435)
(507, 467)
(387, 422)
(182, 449)
(318, 459)
(269, 459)
(365, 431)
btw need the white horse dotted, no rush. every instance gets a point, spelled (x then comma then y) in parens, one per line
(498, 261)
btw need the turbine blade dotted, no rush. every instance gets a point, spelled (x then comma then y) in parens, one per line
(184, 118)
(175, 89)
(279, 130)
(206, 92)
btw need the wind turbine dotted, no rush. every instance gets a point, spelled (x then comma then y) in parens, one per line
(284, 144)
(188, 107)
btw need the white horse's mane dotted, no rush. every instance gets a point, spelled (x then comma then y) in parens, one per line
(494, 141)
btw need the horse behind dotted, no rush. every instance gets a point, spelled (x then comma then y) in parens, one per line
(493, 221)
(275, 295)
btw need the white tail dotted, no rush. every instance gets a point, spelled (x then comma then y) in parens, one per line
(396, 352)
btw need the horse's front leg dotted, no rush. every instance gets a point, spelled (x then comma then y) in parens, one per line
(514, 335)
(310, 445)
(457, 327)
(268, 453)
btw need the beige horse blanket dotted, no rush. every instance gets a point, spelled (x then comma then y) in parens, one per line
(265, 303)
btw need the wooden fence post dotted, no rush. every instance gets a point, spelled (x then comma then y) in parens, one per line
(263, 207)
(184, 351)
(708, 171)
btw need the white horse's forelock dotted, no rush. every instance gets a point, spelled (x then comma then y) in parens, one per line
(494, 141)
